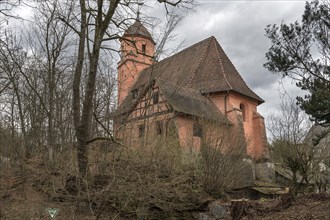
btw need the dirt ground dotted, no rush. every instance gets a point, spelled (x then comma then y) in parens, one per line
(310, 206)
(27, 197)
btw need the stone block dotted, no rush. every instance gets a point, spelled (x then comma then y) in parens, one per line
(265, 171)
(218, 210)
(205, 216)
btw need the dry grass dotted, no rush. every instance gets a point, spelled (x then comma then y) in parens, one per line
(153, 182)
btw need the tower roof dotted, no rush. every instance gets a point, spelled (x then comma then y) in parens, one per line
(137, 29)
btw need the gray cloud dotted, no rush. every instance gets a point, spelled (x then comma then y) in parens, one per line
(239, 27)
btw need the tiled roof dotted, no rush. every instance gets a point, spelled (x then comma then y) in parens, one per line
(203, 67)
(181, 99)
(137, 29)
(191, 102)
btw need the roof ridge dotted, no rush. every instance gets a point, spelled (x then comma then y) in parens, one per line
(187, 48)
(155, 65)
(201, 59)
(216, 44)
(138, 29)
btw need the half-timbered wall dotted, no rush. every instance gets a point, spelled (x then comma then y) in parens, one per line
(242, 111)
(148, 121)
(152, 103)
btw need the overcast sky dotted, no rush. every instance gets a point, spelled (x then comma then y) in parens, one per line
(239, 28)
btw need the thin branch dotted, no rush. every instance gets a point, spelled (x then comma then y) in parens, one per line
(111, 138)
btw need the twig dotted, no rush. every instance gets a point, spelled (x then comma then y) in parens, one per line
(111, 138)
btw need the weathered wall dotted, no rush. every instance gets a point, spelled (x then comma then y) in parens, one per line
(149, 113)
(251, 125)
(147, 107)
(254, 128)
(228, 139)
(133, 61)
(219, 100)
(260, 139)
(130, 134)
(184, 126)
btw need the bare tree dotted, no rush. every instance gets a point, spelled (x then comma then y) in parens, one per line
(95, 20)
(172, 19)
(12, 58)
(48, 39)
(105, 100)
(7, 74)
(288, 130)
(7, 6)
(42, 64)
(290, 123)
(223, 159)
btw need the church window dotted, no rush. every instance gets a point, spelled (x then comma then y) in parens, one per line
(159, 127)
(166, 129)
(141, 131)
(135, 93)
(145, 103)
(197, 130)
(144, 46)
(122, 51)
(242, 108)
(155, 98)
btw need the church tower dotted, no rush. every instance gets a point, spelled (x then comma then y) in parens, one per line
(137, 51)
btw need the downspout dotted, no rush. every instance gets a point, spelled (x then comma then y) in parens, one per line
(226, 102)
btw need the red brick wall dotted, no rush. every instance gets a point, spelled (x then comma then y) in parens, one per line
(254, 129)
(133, 61)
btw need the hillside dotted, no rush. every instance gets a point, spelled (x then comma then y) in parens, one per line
(136, 193)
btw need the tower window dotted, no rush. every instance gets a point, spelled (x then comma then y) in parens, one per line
(242, 108)
(122, 51)
(141, 131)
(135, 93)
(155, 98)
(159, 127)
(166, 127)
(197, 130)
(144, 46)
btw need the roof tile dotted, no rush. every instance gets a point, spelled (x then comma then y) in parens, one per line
(137, 29)
(203, 67)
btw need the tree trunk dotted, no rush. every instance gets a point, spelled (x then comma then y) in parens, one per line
(239, 208)
(81, 143)
(83, 122)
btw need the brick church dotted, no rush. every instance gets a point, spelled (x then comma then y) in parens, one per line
(198, 93)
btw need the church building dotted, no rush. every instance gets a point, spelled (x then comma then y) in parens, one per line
(197, 93)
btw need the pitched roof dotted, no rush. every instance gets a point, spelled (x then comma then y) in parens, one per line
(137, 29)
(181, 99)
(203, 67)
(191, 102)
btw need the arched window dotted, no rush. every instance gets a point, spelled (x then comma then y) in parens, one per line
(155, 98)
(159, 127)
(242, 107)
(144, 46)
(141, 131)
(197, 130)
(135, 93)
(122, 52)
